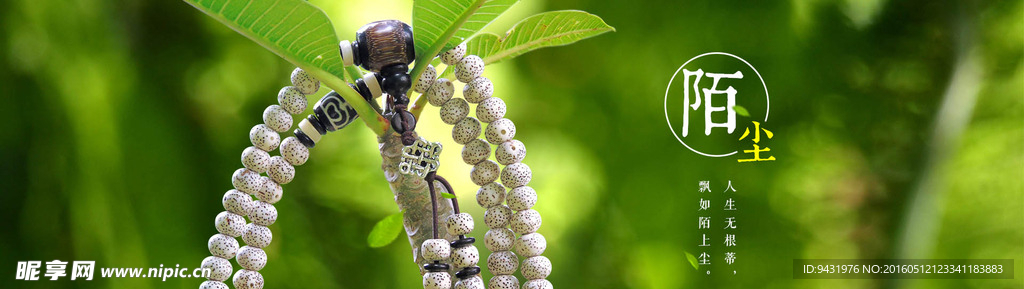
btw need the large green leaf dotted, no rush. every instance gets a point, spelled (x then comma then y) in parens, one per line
(298, 32)
(441, 24)
(555, 28)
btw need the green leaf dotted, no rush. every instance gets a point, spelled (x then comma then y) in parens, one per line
(385, 231)
(555, 28)
(441, 24)
(741, 110)
(298, 32)
(692, 259)
(447, 195)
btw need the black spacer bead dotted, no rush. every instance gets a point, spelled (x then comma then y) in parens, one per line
(317, 125)
(467, 272)
(364, 93)
(435, 267)
(304, 139)
(463, 242)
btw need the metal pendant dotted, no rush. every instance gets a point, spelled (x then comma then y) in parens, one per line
(420, 158)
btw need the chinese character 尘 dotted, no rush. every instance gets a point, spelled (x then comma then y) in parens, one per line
(757, 139)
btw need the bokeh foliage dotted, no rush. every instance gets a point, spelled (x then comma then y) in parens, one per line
(126, 118)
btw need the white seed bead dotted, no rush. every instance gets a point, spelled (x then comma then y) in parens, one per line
(525, 222)
(210, 284)
(440, 92)
(460, 224)
(510, 152)
(277, 118)
(502, 263)
(292, 100)
(499, 239)
(538, 284)
(454, 110)
(503, 282)
(466, 130)
(223, 246)
(435, 250)
(490, 195)
(498, 216)
(464, 257)
(484, 172)
(307, 128)
(294, 151)
(257, 236)
(537, 267)
(237, 202)
(437, 280)
(271, 191)
(529, 245)
(516, 175)
(500, 131)
(220, 268)
(478, 90)
(469, 68)
(454, 55)
(490, 110)
(426, 79)
(370, 79)
(251, 258)
(264, 138)
(476, 151)
(304, 82)
(522, 198)
(246, 181)
(255, 159)
(247, 279)
(474, 282)
(280, 170)
(230, 224)
(263, 214)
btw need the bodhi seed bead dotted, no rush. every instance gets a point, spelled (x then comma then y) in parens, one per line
(469, 68)
(525, 222)
(516, 175)
(280, 170)
(538, 267)
(214, 284)
(510, 152)
(437, 280)
(460, 224)
(247, 279)
(529, 245)
(537, 284)
(251, 258)
(304, 82)
(497, 216)
(454, 55)
(255, 159)
(246, 181)
(454, 111)
(435, 250)
(500, 131)
(440, 92)
(478, 90)
(263, 214)
(294, 151)
(503, 282)
(474, 282)
(277, 118)
(257, 236)
(522, 198)
(490, 195)
(490, 110)
(230, 224)
(499, 239)
(264, 138)
(475, 151)
(237, 202)
(484, 172)
(466, 130)
(426, 79)
(220, 268)
(502, 263)
(223, 246)
(271, 191)
(292, 100)
(464, 257)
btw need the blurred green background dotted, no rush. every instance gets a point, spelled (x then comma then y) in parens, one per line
(899, 134)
